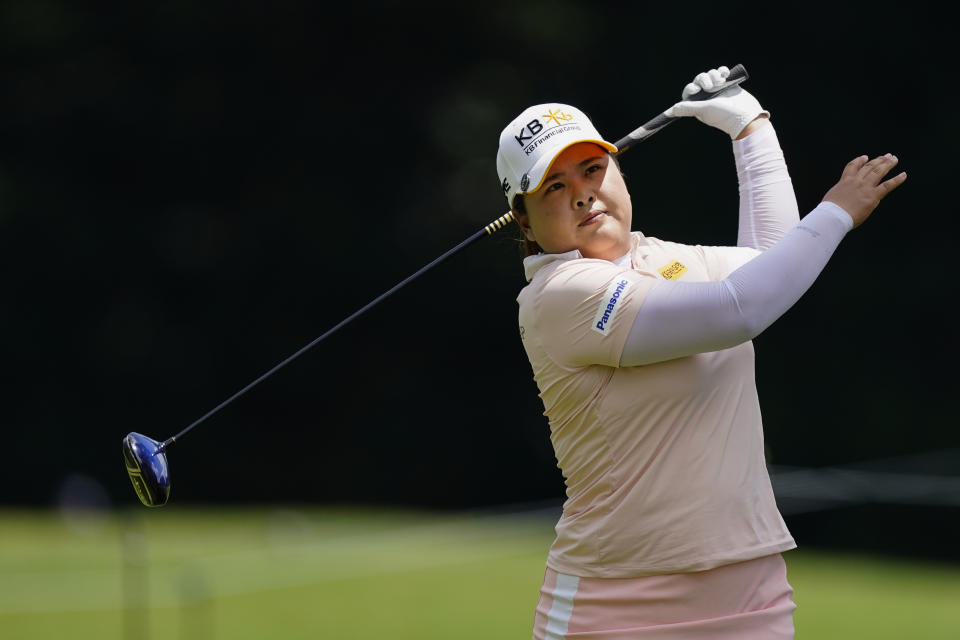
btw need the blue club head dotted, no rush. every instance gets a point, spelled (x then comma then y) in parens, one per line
(147, 466)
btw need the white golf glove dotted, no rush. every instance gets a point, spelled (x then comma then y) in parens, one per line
(730, 112)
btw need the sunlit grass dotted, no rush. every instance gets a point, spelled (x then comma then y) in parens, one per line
(323, 573)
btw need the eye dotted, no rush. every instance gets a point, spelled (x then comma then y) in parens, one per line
(554, 186)
(594, 168)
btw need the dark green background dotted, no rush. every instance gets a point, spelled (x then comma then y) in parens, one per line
(188, 194)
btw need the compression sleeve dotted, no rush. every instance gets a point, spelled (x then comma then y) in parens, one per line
(682, 318)
(768, 205)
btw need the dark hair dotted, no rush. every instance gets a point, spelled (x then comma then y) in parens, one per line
(519, 208)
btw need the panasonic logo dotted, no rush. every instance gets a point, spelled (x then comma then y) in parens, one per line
(609, 306)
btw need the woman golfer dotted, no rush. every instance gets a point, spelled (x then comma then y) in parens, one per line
(641, 349)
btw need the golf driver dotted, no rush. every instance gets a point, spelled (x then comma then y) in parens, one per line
(146, 458)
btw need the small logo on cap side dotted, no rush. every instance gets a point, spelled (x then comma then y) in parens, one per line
(524, 183)
(505, 185)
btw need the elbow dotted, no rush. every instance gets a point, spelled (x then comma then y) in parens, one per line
(751, 320)
(745, 321)
(752, 327)
(739, 331)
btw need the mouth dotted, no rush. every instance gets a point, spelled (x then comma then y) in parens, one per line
(592, 218)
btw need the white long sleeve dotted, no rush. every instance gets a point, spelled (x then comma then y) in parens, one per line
(682, 318)
(768, 205)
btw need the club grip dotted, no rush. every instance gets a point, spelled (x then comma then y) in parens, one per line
(738, 74)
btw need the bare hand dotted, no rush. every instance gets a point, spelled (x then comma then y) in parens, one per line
(860, 189)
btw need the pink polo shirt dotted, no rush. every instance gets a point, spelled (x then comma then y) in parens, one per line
(663, 463)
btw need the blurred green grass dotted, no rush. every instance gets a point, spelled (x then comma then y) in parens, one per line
(369, 573)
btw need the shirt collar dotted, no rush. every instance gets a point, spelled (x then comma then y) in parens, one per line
(638, 251)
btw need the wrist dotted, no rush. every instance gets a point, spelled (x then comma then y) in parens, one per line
(838, 212)
(759, 122)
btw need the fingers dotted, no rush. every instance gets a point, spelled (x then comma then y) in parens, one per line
(692, 88)
(706, 81)
(861, 188)
(717, 77)
(870, 170)
(880, 166)
(853, 167)
(870, 173)
(889, 185)
(710, 80)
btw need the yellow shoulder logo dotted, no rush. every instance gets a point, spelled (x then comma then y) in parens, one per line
(673, 271)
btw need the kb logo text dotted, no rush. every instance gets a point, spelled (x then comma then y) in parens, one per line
(535, 126)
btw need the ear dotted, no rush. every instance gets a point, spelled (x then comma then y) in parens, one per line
(524, 223)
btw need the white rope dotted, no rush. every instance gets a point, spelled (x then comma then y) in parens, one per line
(889, 481)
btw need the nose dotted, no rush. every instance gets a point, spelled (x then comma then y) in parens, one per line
(583, 193)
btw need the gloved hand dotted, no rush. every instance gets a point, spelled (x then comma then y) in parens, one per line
(730, 112)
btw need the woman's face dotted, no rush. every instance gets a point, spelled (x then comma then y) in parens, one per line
(583, 204)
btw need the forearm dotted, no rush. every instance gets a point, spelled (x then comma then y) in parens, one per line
(768, 206)
(679, 319)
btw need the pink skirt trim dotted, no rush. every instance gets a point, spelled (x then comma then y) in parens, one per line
(749, 600)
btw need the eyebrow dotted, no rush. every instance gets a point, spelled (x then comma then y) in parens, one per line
(559, 174)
